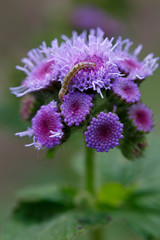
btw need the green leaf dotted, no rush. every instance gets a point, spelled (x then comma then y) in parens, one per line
(113, 194)
(38, 204)
(141, 210)
(51, 152)
(145, 223)
(143, 172)
(63, 227)
(51, 192)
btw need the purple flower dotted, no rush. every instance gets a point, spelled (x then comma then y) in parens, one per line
(83, 65)
(94, 48)
(46, 127)
(27, 106)
(126, 90)
(138, 149)
(38, 67)
(88, 16)
(104, 132)
(75, 107)
(129, 63)
(141, 116)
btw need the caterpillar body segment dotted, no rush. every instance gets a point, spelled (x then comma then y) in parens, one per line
(74, 70)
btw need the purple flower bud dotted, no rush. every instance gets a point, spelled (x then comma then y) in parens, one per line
(38, 67)
(138, 149)
(126, 90)
(141, 116)
(27, 106)
(104, 132)
(88, 16)
(46, 127)
(129, 63)
(75, 107)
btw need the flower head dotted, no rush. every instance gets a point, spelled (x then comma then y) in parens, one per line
(126, 90)
(129, 63)
(104, 132)
(38, 67)
(75, 107)
(138, 149)
(95, 49)
(27, 106)
(84, 65)
(88, 16)
(141, 116)
(46, 127)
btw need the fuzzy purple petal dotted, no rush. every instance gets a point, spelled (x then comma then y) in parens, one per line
(75, 107)
(38, 67)
(94, 48)
(126, 90)
(129, 64)
(141, 116)
(86, 16)
(27, 106)
(104, 132)
(47, 126)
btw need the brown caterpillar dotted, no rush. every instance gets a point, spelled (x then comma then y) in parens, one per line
(74, 70)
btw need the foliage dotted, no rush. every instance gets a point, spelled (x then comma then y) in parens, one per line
(128, 192)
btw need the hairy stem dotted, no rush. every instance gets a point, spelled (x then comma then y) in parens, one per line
(90, 170)
(97, 234)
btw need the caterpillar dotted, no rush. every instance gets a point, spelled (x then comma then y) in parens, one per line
(74, 70)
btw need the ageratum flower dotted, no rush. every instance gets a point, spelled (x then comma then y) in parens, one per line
(38, 67)
(138, 149)
(46, 127)
(104, 132)
(27, 106)
(75, 107)
(126, 90)
(130, 65)
(87, 65)
(94, 48)
(88, 16)
(141, 116)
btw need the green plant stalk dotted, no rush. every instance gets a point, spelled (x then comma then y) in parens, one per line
(90, 170)
(96, 234)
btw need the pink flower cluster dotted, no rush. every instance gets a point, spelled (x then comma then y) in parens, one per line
(116, 73)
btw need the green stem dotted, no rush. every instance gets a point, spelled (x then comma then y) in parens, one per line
(90, 170)
(97, 234)
(90, 185)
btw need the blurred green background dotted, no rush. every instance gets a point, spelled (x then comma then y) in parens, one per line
(23, 26)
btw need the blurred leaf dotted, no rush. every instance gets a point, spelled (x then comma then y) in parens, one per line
(73, 224)
(50, 192)
(144, 193)
(141, 211)
(113, 194)
(51, 152)
(64, 227)
(39, 204)
(145, 224)
(141, 206)
(55, 207)
(143, 172)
